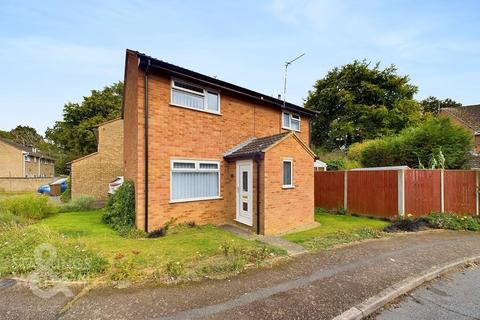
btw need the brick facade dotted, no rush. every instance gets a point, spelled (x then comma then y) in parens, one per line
(180, 133)
(14, 164)
(91, 174)
(287, 207)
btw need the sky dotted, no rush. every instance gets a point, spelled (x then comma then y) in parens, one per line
(54, 52)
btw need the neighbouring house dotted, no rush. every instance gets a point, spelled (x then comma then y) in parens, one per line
(320, 165)
(91, 174)
(19, 161)
(469, 118)
(205, 150)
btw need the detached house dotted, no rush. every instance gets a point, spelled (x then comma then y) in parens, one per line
(19, 161)
(201, 149)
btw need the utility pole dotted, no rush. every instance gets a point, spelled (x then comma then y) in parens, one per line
(285, 80)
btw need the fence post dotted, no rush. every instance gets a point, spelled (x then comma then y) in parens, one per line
(345, 190)
(401, 193)
(476, 193)
(442, 190)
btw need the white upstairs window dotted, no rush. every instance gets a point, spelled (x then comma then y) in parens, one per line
(291, 121)
(192, 96)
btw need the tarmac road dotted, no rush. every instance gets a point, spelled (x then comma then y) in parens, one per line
(456, 296)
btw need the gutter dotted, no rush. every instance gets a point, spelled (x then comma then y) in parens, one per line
(214, 83)
(257, 160)
(146, 145)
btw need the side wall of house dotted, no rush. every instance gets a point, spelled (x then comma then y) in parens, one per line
(288, 208)
(11, 161)
(90, 175)
(133, 144)
(180, 133)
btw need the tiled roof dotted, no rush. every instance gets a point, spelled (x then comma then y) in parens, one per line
(474, 161)
(254, 146)
(469, 115)
(177, 71)
(25, 148)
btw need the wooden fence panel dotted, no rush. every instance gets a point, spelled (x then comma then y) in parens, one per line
(373, 193)
(329, 189)
(460, 191)
(422, 192)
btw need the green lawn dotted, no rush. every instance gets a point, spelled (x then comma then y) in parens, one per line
(184, 251)
(335, 229)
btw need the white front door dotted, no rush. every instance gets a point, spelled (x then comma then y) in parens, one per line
(244, 192)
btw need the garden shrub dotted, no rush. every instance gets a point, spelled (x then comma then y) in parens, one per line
(436, 138)
(453, 222)
(26, 207)
(82, 203)
(336, 164)
(119, 212)
(66, 195)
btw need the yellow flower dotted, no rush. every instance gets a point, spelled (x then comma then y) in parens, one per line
(409, 215)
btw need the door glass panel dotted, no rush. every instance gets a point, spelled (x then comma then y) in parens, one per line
(245, 181)
(245, 206)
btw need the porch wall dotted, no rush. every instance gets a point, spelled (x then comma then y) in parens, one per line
(288, 209)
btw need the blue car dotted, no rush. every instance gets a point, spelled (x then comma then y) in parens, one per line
(45, 189)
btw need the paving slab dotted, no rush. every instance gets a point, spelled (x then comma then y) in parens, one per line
(290, 247)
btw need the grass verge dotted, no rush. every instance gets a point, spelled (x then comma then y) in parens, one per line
(337, 229)
(86, 248)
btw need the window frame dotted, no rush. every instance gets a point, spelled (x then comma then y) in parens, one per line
(291, 185)
(204, 95)
(196, 169)
(290, 116)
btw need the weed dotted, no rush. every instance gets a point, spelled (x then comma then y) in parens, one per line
(453, 222)
(28, 207)
(175, 269)
(72, 260)
(82, 203)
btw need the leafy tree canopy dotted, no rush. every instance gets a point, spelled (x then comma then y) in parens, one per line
(435, 142)
(73, 135)
(26, 135)
(357, 102)
(432, 105)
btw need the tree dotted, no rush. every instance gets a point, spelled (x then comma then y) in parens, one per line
(432, 105)
(73, 136)
(357, 102)
(26, 135)
(436, 142)
(6, 134)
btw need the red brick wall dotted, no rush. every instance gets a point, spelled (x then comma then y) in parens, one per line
(176, 132)
(287, 209)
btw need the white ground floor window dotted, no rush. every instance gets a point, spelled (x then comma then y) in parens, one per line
(192, 180)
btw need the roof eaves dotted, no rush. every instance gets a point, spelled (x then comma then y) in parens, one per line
(182, 72)
(238, 147)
